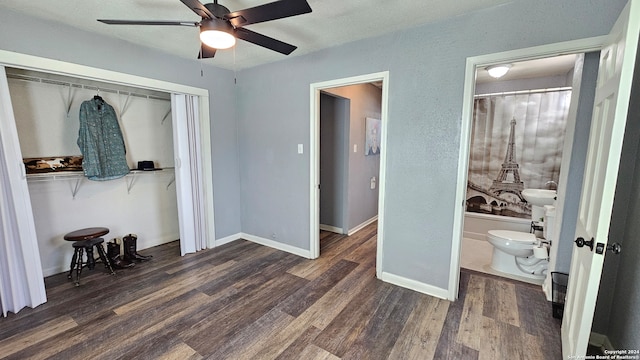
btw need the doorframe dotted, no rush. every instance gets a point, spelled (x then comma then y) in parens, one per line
(36, 63)
(314, 157)
(473, 63)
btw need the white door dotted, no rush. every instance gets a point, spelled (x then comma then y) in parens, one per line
(613, 90)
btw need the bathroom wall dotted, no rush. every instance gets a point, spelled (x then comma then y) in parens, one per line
(142, 203)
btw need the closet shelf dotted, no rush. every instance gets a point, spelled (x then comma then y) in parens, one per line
(77, 177)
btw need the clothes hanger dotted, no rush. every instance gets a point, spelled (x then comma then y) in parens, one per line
(98, 97)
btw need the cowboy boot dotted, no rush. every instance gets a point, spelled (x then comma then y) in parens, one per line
(113, 254)
(130, 251)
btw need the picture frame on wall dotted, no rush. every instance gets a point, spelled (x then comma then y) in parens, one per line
(372, 136)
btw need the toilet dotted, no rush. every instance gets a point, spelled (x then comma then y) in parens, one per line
(513, 251)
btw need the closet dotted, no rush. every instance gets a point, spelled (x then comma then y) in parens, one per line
(129, 204)
(46, 109)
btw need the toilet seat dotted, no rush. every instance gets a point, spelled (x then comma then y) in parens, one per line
(515, 236)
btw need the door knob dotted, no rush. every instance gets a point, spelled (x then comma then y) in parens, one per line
(580, 242)
(615, 248)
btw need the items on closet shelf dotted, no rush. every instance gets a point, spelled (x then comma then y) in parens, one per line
(101, 142)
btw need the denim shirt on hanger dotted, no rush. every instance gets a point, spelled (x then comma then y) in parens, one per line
(101, 142)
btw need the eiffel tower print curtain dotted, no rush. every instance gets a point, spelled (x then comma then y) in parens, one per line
(516, 143)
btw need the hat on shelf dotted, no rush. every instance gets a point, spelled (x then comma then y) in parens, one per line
(146, 165)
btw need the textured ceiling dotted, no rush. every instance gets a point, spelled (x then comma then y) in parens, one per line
(331, 23)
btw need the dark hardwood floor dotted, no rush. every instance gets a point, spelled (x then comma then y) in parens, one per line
(246, 301)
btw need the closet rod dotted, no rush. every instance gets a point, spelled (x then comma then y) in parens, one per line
(87, 87)
(520, 92)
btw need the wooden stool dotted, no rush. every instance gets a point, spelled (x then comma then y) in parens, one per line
(85, 240)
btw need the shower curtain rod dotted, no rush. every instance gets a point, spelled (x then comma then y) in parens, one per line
(535, 91)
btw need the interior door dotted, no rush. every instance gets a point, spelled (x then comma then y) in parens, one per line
(613, 90)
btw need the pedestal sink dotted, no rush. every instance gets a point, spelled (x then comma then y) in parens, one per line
(539, 197)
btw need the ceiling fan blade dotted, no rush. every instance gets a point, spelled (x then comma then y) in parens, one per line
(271, 11)
(264, 41)
(147, 22)
(198, 8)
(206, 52)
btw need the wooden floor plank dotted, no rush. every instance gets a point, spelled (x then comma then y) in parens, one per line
(419, 337)
(293, 349)
(470, 329)
(500, 302)
(306, 296)
(381, 332)
(345, 329)
(22, 340)
(500, 341)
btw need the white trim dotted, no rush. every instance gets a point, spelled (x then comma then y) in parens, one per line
(30, 62)
(227, 239)
(362, 226)
(23, 61)
(562, 48)
(314, 161)
(415, 285)
(330, 228)
(277, 245)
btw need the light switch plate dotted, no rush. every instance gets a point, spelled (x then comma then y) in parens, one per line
(300, 148)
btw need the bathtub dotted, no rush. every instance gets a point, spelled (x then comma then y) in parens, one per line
(476, 225)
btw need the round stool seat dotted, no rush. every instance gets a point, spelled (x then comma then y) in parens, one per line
(86, 234)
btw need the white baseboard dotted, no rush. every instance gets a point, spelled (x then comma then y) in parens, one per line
(474, 235)
(333, 229)
(227, 239)
(600, 340)
(276, 245)
(361, 226)
(415, 285)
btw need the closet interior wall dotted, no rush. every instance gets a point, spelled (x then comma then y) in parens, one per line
(46, 109)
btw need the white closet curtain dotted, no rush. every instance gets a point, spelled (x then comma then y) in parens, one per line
(21, 279)
(189, 186)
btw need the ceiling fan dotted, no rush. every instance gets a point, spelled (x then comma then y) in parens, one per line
(220, 27)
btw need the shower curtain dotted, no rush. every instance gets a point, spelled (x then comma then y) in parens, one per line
(21, 278)
(540, 122)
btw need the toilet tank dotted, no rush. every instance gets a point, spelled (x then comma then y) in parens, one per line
(549, 221)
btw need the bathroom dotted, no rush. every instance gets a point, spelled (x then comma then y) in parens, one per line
(525, 136)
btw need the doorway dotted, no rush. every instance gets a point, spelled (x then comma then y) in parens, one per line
(381, 79)
(520, 123)
(473, 64)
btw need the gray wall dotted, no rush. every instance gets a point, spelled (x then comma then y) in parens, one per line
(366, 101)
(426, 66)
(617, 313)
(41, 38)
(586, 88)
(334, 160)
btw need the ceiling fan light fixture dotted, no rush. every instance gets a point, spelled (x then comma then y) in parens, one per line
(217, 34)
(498, 71)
